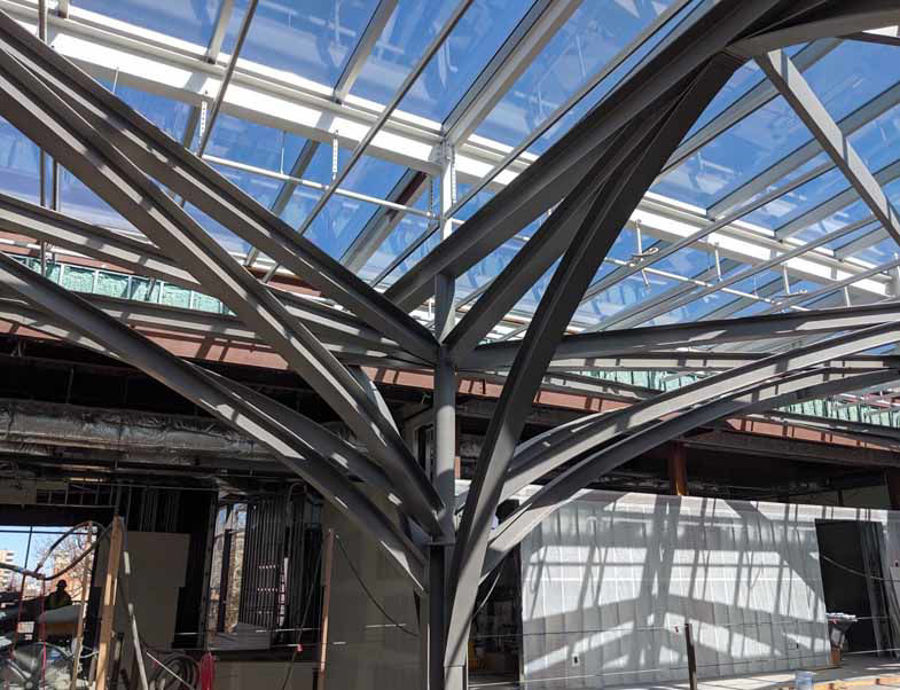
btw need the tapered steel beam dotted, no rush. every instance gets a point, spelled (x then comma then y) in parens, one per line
(70, 317)
(823, 20)
(547, 180)
(616, 201)
(705, 361)
(550, 450)
(782, 72)
(596, 463)
(43, 115)
(180, 170)
(545, 246)
(712, 332)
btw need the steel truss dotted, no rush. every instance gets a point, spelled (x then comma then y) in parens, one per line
(594, 176)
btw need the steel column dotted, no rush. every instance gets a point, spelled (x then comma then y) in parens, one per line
(615, 203)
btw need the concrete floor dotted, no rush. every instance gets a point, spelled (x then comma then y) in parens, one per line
(858, 673)
(855, 673)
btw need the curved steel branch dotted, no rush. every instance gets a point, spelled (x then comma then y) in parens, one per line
(70, 317)
(332, 325)
(189, 176)
(565, 487)
(550, 450)
(42, 115)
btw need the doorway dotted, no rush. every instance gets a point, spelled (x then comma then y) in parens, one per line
(853, 582)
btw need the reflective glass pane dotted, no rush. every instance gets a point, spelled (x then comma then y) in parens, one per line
(878, 141)
(410, 29)
(253, 144)
(594, 33)
(624, 294)
(189, 20)
(77, 200)
(313, 39)
(851, 74)
(856, 211)
(736, 155)
(19, 163)
(798, 201)
(169, 115)
(469, 47)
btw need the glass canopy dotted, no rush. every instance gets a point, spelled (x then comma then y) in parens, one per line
(311, 78)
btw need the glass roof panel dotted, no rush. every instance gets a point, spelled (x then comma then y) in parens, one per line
(839, 219)
(880, 253)
(412, 259)
(219, 232)
(169, 115)
(798, 201)
(336, 226)
(77, 200)
(594, 33)
(407, 34)
(844, 240)
(878, 141)
(189, 21)
(313, 39)
(626, 293)
(692, 311)
(851, 74)
(744, 79)
(253, 144)
(736, 155)
(471, 45)
(408, 230)
(19, 163)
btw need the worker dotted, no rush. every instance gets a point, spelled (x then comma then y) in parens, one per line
(59, 598)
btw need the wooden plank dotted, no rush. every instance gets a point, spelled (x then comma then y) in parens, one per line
(107, 611)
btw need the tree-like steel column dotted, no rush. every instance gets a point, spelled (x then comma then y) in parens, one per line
(626, 184)
(599, 170)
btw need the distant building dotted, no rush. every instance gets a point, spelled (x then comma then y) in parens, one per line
(6, 576)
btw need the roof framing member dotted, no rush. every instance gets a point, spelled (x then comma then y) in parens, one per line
(333, 326)
(848, 125)
(747, 104)
(648, 434)
(704, 333)
(626, 184)
(361, 52)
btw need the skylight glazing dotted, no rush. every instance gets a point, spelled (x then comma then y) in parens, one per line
(300, 55)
